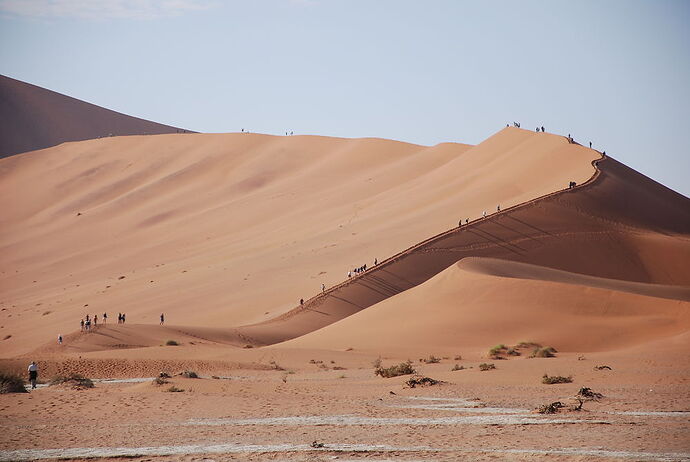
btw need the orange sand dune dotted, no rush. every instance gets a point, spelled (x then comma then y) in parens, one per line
(225, 230)
(231, 230)
(621, 226)
(36, 118)
(463, 308)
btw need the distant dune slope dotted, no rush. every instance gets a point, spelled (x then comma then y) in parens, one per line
(35, 118)
(233, 229)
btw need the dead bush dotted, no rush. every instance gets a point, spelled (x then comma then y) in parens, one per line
(550, 408)
(486, 366)
(421, 381)
(552, 379)
(11, 383)
(404, 368)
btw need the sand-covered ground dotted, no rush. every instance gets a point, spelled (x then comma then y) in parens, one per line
(225, 233)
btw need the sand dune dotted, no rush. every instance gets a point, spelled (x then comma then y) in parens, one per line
(463, 308)
(594, 230)
(35, 118)
(233, 229)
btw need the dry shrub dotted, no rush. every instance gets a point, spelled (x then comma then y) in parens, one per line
(11, 383)
(486, 366)
(421, 381)
(76, 381)
(588, 393)
(550, 380)
(160, 381)
(550, 408)
(404, 368)
(545, 352)
(174, 389)
(190, 375)
(458, 368)
(172, 343)
(432, 360)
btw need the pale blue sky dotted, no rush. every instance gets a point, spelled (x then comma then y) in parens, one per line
(613, 72)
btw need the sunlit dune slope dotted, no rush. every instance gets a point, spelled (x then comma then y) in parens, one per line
(473, 304)
(36, 118)
(233, 229)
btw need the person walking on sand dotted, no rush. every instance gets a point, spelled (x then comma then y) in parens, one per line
(162, 319)
(498, 208)
(301, 301)
(323, 288)
(123, 318)
(95, 320)
(484, 214)
(33, 374)
(105, 318)
(59, 339)
(542, 129)
(376, 262)
(590, 145)
(82, 324)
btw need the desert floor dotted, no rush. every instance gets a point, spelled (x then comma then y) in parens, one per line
(273, 404)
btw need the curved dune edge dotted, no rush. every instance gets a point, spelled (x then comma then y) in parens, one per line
(466, 306)
(518, 270)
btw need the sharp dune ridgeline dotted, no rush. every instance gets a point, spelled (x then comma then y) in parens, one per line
(225, 233)
(36, 118)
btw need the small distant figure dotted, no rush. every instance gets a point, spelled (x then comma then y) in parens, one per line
(349, 274)
(323, 288)
(484, 214)
(376, 262)
(542, 129)
(105, 318)
(243, 130)
(33, 374)
(603, 153)
(95, 320)
(301, 301)
(537, 129)
(498, 208)
(291, 133)
(59, 339)
(123, 318)
(162, 319)
(571, 185)
(82, 324)
(286, 134)
(459, 223)
(467, 220)
(590, 145)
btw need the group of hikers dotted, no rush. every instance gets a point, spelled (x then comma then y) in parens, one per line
(88, 323)
(467, 220)
(360, 269)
